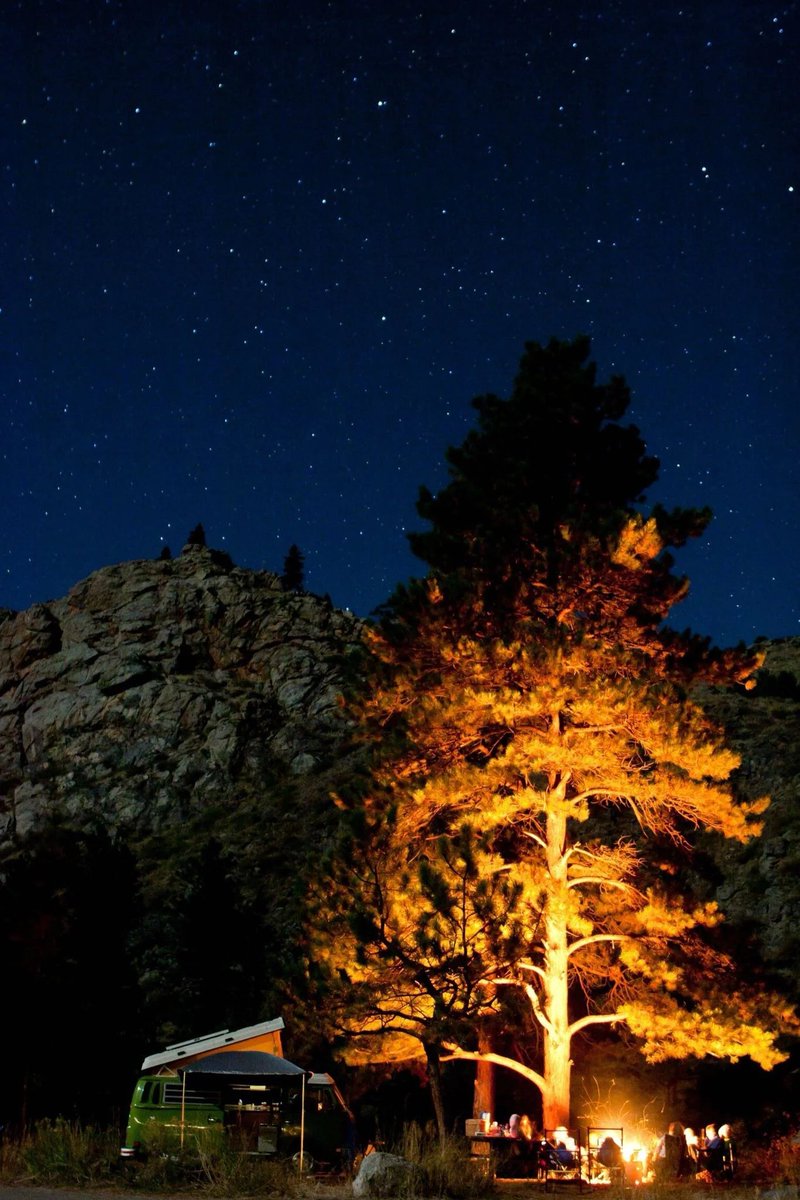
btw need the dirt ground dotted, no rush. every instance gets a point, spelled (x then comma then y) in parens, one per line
(504, 1189)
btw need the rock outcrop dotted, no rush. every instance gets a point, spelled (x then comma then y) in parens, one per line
(760, 888)
(155, 688)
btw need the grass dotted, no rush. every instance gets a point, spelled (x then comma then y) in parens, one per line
(61, 1153)
(444, 1168)
(65, 1154)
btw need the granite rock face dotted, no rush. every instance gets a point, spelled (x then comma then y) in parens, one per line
(155, 688)
(760, 888)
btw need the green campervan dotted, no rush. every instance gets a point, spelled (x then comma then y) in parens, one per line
(163, 1115)
(197, 1094)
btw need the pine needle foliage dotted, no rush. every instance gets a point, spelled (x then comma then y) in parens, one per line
(539, 762)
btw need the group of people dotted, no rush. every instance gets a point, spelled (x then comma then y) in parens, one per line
(681, 1153)
(534, 1154)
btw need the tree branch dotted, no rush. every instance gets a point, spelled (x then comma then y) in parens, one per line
(619, 883)
(594, 1019)
(534, 837)
(455, 1052)
(526, 966)
(536, 1005)
(594, 938)
(587, 795)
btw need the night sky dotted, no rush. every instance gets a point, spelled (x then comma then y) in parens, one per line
(259, 256)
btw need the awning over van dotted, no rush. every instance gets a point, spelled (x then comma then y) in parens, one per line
(246, 1067)
(247, 1064)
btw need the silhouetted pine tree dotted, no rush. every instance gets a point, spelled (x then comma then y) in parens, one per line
(197, 537)
(292, 577)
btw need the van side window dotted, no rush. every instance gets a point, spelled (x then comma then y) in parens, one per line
(147, 1093)
(192, 1097)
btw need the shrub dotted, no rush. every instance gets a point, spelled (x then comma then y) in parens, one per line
(226, 1172)
(60, 1152)
(776, 1161)
(445, 1167)
(63, 1154)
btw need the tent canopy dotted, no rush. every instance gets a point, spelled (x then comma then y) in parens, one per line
(247, 1064)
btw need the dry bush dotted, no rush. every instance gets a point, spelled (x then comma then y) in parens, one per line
(445, 1168)
(59, 1152)
(775, 1162)
(226, 1172)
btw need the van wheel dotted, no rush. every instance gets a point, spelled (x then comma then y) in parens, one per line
(307, 1164)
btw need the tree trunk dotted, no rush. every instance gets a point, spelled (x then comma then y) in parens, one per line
(435, 1081)
(557, 1072)
(557, 1062)
(483, 1100)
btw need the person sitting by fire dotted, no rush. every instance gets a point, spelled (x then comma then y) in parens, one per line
(727, 1151)
(526, 1130)
(609, 1155)
(520, 1159)
(713, 1152)
(671, 1158)
(520, 1128)
(555, 1153)
(565, 1147)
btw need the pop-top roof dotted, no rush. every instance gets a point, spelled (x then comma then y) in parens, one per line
(209, 1042)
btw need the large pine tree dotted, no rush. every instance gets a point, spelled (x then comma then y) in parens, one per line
(540, 768)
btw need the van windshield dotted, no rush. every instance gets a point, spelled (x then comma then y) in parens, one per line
(318, 1100)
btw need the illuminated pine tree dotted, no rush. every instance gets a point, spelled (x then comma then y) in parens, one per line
(541, 769)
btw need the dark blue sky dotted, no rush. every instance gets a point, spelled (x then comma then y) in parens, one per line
(259, 256)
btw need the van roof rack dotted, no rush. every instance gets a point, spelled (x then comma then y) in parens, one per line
(191, 1041)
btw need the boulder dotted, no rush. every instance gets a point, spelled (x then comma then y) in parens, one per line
(382, 1174)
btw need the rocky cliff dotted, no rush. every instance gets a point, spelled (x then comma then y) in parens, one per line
(157, 688)
(760, 885)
